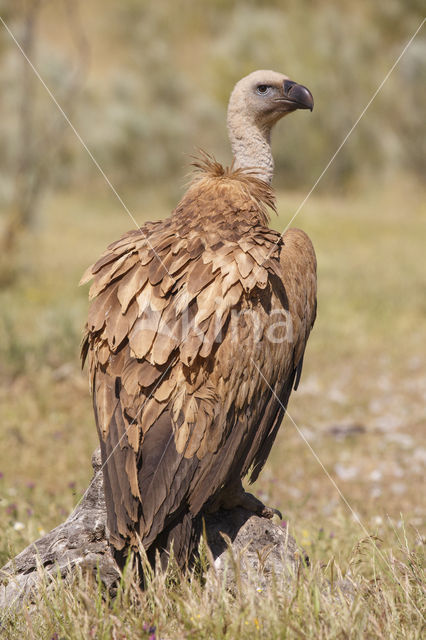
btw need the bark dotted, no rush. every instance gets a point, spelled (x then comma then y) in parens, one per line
(261, 548)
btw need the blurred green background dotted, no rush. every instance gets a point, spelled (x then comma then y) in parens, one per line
(145, 84)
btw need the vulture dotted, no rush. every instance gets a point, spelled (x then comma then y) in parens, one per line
(195, 338)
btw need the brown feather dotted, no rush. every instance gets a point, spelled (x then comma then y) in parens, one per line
(130, 286)
(244, 262)
(199, 276)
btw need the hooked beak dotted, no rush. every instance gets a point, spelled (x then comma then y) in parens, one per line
(297, 96)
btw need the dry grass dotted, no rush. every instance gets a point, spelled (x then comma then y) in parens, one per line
(382, 607)
(361, 406)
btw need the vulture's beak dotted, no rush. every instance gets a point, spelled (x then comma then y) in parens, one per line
(297, 96)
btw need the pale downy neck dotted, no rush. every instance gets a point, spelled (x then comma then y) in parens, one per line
(251, 145)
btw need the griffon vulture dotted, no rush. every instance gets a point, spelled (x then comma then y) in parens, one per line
(195, 338)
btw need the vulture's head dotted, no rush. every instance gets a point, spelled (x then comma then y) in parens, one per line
(263, 97)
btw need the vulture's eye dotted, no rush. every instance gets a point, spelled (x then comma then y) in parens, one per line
(263, 89)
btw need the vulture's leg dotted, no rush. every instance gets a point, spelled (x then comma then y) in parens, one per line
(235, 496)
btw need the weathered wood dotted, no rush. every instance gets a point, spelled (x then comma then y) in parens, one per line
(264, 548)
(79, 541)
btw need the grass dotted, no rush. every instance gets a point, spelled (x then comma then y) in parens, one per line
(188, 609)
(360, 406)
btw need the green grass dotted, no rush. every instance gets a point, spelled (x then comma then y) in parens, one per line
(361, 406)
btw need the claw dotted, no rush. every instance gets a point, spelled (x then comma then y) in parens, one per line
(270, 512)
(235, 496)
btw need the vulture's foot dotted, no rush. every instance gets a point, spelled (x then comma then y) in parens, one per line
(235, 496)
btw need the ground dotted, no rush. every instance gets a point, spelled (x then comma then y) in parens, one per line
(347, 467)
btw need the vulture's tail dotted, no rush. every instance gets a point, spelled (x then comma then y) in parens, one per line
(180, 539)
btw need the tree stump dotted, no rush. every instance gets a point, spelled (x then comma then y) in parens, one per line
(262, 548)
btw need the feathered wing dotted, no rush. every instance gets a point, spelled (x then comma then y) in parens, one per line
(299, 278)
(181, 360)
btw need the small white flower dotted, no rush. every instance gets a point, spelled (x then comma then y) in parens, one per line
(18, 526)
